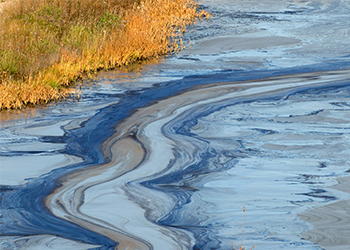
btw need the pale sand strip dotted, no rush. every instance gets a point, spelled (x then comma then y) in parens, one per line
(250, 41)
(127, 154)
(331, 228)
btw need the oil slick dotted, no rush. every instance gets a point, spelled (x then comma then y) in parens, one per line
(169, 165)
(175, 170)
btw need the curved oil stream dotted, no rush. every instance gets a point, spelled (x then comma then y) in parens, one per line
(142, 148)
(177, 172)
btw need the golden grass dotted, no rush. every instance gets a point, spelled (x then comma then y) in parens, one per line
(46, 45)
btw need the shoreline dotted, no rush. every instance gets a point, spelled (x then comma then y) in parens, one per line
(279, 157)
(108, 35)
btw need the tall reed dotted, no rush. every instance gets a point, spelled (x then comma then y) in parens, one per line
(46, 45)
(241, 245)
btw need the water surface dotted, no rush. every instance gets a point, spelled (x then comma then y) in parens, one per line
(256, 114)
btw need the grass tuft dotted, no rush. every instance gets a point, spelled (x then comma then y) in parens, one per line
(240, 247)
(46, 45)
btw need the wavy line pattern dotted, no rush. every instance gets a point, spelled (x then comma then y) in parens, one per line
(331, 222)
(174, 171)
(169, 159)
(177, 171)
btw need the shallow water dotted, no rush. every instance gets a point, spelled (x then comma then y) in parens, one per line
(256, 114)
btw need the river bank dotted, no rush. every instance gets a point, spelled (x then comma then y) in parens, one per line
(165, 156)
(46, 46)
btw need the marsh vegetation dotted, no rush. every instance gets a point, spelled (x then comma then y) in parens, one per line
(46, 45)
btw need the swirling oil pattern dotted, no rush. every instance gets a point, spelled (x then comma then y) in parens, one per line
(255, 116)
(177, 162)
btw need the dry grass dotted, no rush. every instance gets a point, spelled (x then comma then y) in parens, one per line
(240, 247)
(46, 45)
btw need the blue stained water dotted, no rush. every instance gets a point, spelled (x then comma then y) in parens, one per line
(23, 211)
(271, 137)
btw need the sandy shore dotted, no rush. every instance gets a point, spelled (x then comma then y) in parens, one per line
(331, 222)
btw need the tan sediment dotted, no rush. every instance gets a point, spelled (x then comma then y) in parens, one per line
(331, 222)
(128, 153)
